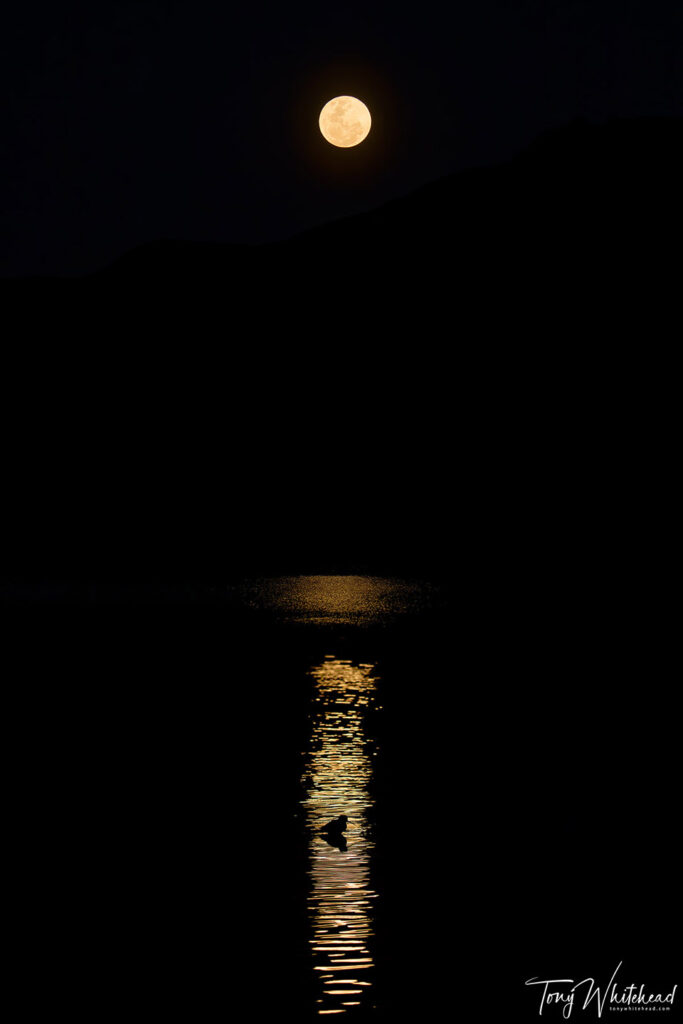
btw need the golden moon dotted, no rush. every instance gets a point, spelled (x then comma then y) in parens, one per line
(344, 121)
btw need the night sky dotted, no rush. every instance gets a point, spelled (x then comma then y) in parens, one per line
(127, 121)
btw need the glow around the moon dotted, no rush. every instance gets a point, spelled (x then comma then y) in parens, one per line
(345, 121)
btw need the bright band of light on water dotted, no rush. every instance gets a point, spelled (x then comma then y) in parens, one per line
(338, 772)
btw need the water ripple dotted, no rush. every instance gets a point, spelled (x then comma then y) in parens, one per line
(337, 775)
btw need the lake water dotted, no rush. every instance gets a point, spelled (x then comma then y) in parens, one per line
(180, 761)
(340, 760)
(338, 768)
(338, 600)
(353, 639)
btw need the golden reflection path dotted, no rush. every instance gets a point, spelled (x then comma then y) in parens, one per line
(338, 771)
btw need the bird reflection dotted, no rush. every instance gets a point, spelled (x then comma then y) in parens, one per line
(337, 773)
(339, 842)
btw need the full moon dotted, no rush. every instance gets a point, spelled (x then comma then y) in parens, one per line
(344, 121)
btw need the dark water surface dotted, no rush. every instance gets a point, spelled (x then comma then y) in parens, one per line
(175, 766)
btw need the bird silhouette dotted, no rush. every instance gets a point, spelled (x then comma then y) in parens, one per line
(334, 828)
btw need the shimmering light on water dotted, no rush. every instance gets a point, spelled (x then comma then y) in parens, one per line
(337, 774)
(346, 600)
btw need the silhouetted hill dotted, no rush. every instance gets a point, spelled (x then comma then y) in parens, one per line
(577, 197)
(476, 370)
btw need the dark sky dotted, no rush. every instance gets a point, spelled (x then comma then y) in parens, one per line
(126, 121)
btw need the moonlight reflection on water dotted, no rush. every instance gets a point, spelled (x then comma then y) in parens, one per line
(337, 774)
(337, 600)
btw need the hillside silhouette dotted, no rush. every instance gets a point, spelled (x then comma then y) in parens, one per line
(575, 209)
(480, 358)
